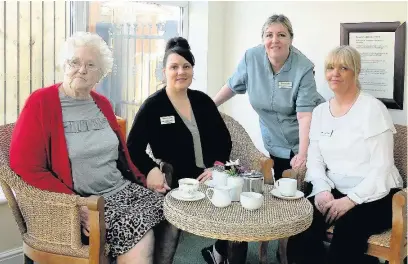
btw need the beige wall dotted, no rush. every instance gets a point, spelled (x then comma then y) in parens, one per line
(220, 32)
(9, 235)
(316, 28)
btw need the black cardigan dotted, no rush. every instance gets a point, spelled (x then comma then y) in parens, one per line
(173, 143)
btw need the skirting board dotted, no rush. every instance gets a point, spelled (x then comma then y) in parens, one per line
(5, 256)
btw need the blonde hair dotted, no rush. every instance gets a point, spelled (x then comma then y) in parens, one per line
(87, 39)
(346, 56)
(281, 19)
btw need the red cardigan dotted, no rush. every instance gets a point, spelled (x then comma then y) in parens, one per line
(38, 150)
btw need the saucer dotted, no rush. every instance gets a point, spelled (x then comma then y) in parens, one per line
(210, 183)
(275, 192)
(176, 194)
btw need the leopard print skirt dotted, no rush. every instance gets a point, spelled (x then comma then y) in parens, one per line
(129, 214)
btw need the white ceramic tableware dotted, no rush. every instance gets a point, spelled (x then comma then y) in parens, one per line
(188, 187)
(251, 200)
(220, 196)
(236, 183)
(275, 192)
(209, 183)
(176, 193)
(287, 186)
(219, 178)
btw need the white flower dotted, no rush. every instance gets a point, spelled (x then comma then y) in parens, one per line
(232, 163)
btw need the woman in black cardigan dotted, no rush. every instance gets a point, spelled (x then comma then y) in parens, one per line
(182, 126)
(164, 121)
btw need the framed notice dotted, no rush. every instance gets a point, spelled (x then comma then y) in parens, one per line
(382, 49)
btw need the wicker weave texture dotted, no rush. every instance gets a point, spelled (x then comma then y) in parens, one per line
(48, 221)
(276, 218)
(82, 252)
(5, 138)
(400, 151)
(242, 145)
(383, 239)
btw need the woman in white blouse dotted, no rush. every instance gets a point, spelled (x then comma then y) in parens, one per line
(351, 167)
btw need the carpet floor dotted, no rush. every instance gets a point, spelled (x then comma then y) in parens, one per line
(189, 250)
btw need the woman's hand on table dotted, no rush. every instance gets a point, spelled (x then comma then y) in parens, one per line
(84, 217)
(337, 208)
(298, 161)
(321, 199)
(206, 175)
(156, 181)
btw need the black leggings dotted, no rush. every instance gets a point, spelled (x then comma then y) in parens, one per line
(239, 250)
(352, 230)
(281, 164)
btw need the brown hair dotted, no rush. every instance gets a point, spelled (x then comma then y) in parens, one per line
(281, 19)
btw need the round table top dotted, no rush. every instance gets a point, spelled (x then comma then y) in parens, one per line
(277, 218)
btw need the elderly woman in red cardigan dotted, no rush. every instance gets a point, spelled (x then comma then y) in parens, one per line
(67, 140)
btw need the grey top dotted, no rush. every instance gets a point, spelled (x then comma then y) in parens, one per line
(277, 97)
(192, 126)
(92, 148)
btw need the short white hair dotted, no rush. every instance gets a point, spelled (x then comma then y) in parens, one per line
(87, 39)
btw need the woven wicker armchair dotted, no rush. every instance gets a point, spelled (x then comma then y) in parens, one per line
(49, 222)
(392, 244)
(249, 156)
(244, 149)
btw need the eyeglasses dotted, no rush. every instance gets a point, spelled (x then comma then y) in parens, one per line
(76, 64)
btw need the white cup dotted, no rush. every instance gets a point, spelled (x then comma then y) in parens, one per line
(287, 186)
(188, 187)
(236, 184)
(251, 200)
(219, 178)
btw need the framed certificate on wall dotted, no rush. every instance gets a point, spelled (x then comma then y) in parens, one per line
(382, 49)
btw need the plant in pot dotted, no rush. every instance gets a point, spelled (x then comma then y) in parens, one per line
(233, 170)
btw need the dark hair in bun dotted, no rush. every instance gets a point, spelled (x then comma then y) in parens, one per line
(180, 46)
(177, 42)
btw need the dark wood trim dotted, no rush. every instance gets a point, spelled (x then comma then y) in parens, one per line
(397, 102)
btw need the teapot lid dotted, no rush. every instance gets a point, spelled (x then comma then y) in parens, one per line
(252, 174)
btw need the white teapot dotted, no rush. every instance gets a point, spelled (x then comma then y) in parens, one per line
(220, 197)
(236, 183)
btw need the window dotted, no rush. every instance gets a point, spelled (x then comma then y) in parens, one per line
(31, 35)
(137, 33)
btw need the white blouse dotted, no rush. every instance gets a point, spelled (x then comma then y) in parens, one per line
(353, 153)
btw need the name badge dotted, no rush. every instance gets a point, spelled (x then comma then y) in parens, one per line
(326, 133)
(164, 120)
(285, 85)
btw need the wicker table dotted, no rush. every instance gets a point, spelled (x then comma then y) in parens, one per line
(276, 218)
